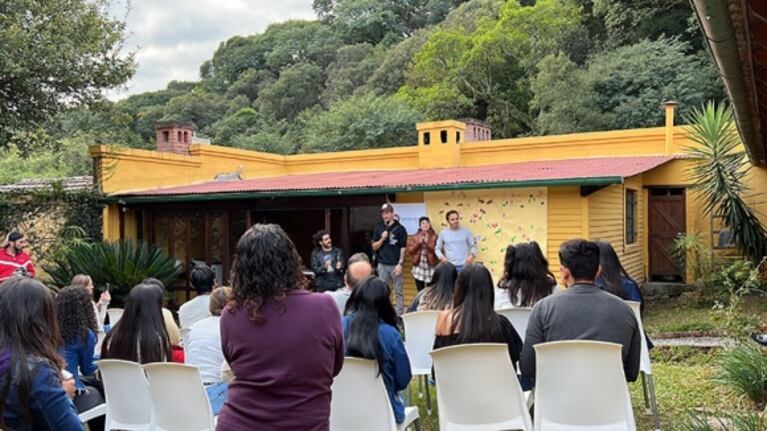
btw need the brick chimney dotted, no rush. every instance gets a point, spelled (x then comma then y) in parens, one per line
(476, 130)
(174, 136)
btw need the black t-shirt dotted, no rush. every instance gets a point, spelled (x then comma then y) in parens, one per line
(389, 253)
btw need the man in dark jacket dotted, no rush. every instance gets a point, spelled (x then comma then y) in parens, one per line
(582, 312)
(327, 263)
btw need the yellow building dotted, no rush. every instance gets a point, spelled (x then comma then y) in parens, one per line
(628, 187)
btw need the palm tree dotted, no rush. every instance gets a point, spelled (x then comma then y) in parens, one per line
(719, 172)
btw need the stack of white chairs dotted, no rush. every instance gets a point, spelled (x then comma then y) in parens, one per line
(579, 386)
(645, 368)
(478, 390)
(419, 341)
(154, 397)
(360, 400)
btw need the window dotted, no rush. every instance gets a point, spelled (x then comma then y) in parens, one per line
(631, 216)
(426, 138)
(165, 136)
(443, 136)
(457, 137)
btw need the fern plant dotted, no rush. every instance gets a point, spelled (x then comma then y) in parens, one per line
(119, 265)
(719, 172)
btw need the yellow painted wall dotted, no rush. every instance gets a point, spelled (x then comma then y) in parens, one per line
(607, 217)
(565, 221)
(498, 216)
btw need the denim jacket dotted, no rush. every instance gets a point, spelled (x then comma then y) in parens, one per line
(49, 405)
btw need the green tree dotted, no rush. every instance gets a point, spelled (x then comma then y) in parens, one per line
(353, 66)
(364, 121)
(298, 88)
(622, 88)
(56, 54)
(200, 107)
(241, 122)
(389, 76)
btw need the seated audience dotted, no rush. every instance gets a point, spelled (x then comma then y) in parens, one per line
(77, 324)
(526, 278)
(370, 332)
(359, 268)
(613, 278)
(439, 294)
(34, 395)
(582, 311)
(283, 343)
(174, 334)
(140, 334)
(203, 280)
(473, 318)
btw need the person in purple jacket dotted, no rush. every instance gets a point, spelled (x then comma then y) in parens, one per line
(283, 343)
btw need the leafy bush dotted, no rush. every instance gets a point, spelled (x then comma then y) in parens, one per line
(743, 369)
(120, 265)
(737, 421)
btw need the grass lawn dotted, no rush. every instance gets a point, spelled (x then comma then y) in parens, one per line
(683, 375)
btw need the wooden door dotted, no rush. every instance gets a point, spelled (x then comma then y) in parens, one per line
(666, 214)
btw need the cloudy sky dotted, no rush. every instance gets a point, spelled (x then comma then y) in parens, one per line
(172, 38)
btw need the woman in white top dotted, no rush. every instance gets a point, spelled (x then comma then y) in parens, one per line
(99, 308)
(203, 349)
(526, 277)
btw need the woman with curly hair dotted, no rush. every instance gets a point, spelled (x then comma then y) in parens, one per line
(283, 343)
(77, 323)
(34, 394)
(526, 277)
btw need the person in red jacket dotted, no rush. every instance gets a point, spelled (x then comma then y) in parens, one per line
(13, 259)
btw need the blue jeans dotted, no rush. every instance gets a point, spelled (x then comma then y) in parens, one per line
(458, 268)
(217, 395)
(386, 274)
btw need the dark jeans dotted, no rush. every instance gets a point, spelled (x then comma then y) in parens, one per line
(86, 400)
(420, 285)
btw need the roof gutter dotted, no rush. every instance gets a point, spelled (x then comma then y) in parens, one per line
(234, 196)
(720, 33)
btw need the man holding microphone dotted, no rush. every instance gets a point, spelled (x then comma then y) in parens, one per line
(389, 242)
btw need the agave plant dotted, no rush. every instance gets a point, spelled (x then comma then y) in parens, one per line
(743, 369)
(119, 265)
(719, 174)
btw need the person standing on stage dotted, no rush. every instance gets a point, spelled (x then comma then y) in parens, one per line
(327, 262)
(421, 248)
(389, 242)
(13, 259)
(455, 244)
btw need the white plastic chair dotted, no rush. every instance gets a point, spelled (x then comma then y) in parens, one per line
(127, 395)
(179, 401)
(360, 400)
(477, 389)
(518, 316)
(99, 410)
(580, 385)
(645, 368)
(420, 329)
(115, 314)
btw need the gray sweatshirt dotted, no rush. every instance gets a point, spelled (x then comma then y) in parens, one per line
(456, 245)
(583, 312)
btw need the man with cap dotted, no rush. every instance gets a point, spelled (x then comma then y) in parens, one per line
(13, 259)
(389, 242)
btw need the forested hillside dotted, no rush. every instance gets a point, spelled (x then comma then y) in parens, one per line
(365, 71)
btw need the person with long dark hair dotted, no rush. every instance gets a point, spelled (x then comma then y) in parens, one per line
(473, 318)
(32, 385)
(439, 294)
(526, 278)
(370, 332)
(140, 334)
(283, 343)
(421, 247)
(614, 278)
(78, 326)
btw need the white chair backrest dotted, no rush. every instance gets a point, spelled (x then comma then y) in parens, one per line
(115, 314)
(580, 385)
(518, 316)
(644, 360)
(127, 395)
(476, 386)
(179, 401)
(419, 339)
(360, 400)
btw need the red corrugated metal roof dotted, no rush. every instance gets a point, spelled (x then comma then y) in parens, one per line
(525, 172)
